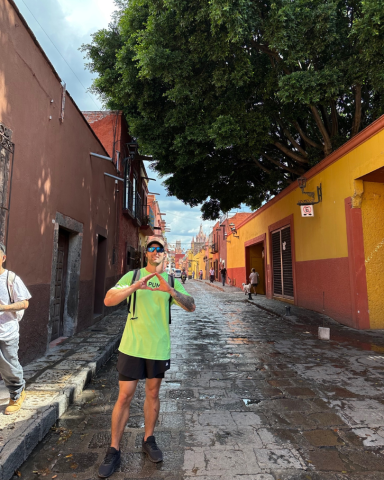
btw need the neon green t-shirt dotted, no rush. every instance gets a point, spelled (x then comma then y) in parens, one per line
(148, 335)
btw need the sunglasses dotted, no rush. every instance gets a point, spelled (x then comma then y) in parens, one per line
(158, 249)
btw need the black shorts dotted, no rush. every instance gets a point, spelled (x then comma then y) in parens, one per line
(254, 284)
(135, 368)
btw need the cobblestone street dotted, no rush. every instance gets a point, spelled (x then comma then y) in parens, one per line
(250, 396)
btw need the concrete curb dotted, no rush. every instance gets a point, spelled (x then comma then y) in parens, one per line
(40, 418)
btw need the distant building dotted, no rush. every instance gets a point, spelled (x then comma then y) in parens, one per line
(200, 241)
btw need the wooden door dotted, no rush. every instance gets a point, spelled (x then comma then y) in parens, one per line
(60, 283)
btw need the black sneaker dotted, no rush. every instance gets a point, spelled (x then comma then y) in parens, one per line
(154, 453)
(110, 463)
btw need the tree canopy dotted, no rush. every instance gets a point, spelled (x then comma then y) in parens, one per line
(236, 99)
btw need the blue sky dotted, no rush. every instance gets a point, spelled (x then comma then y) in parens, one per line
(63, 26)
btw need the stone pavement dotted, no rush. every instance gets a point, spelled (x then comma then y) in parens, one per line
(53, 382)
(251, 395)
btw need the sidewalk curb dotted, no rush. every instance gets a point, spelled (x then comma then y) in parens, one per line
(215, 286)
(17, 449)
(265, 309)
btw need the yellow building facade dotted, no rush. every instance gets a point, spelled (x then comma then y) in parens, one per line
(332, 262)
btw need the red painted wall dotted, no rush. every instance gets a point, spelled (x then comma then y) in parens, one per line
(323, 286)
(238, 274)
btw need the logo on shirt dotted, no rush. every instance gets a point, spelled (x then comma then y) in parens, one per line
(153, 284)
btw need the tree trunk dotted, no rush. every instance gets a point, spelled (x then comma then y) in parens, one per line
(326, 122)
(357, 117)
(335, 120)
(327, 141)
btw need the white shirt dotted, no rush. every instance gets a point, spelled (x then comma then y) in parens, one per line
(254, 278)
(211, 272)
(8, 320)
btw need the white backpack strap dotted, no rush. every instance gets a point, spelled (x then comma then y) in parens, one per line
(11, 276)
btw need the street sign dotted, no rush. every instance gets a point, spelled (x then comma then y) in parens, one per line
(307, 211)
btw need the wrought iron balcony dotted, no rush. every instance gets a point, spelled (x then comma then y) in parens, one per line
(214, 247)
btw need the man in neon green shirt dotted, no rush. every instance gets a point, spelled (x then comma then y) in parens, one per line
(145, 347)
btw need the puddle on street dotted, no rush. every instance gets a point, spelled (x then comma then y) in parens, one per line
(172, 384)
(251, 401)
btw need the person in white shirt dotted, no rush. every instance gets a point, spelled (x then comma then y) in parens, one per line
(14, 298)
(254, 280)
(212, 275)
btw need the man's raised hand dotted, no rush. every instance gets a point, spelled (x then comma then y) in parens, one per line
(164, 285)
(142, 283)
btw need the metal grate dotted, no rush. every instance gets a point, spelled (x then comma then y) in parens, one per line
(286, 254)
(276, 260)
(282, 263)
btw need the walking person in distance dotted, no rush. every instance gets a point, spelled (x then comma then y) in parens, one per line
(223, 272)
(144, 351)
(254, 280)
(14, 298)
(211, 275)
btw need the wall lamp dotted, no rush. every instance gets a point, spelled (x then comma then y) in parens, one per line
(302, 181)
(132, 148)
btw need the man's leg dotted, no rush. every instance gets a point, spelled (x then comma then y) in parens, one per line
(12, 372)
(151, 405)
(151, 413)
(120, 414)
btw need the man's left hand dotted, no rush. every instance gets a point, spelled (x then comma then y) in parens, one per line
(164, 285)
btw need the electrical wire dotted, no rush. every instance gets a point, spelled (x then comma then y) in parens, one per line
(49, 38)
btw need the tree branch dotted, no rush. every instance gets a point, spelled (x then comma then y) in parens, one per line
(326, 121)
(282, 166)
(288, 152)
(271, 53)
(260, 165)
(292, 140)
(327, 141)
(306, 139)
(335, 120)
(357, 117)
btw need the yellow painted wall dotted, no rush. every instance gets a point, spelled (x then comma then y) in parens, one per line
(190, 263)
(324, 235)
(198, 263)
(372, 209)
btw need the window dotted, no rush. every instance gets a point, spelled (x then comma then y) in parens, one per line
(127, 185)
(134, 191)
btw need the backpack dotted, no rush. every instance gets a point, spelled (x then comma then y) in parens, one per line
(11, 277)
(171, 282)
